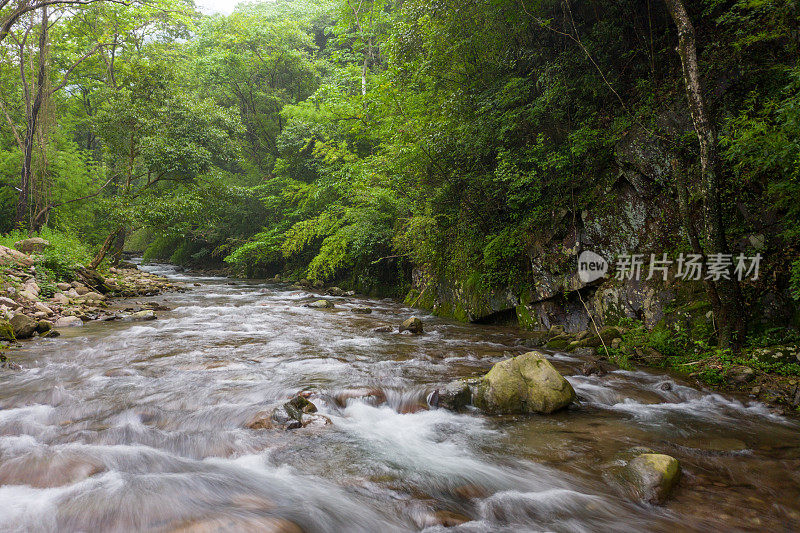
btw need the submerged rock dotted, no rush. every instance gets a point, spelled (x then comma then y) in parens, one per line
(383, 329)
(653, 476)
(413, 325)
(362, 310)
(264, 524)
(524, 384)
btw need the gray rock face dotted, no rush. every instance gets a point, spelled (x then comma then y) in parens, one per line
(413, 325)
(23, 326)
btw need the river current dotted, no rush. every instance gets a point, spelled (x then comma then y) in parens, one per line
(141, 426)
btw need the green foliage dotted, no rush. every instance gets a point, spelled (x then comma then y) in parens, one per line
(795, 281)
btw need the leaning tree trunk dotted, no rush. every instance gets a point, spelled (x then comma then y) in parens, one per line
(730, 319)
(107, 244)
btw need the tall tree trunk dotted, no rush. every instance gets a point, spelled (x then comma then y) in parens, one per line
(730, 319)
(26, 177)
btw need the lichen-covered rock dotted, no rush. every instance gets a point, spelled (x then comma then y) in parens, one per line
(524, 384)
(653, 476)
(23, 326)
(412, 325)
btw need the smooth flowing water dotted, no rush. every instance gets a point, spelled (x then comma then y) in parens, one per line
(141, 426)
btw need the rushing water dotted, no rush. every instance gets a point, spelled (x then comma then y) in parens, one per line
(141, 426)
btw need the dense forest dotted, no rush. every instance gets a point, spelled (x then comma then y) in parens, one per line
(454, 153)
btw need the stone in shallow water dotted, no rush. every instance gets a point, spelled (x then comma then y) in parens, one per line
(653, 476)
(413, 325)
(321, 304)
(454, 396)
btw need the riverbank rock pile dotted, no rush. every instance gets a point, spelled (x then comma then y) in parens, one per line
(31, 304)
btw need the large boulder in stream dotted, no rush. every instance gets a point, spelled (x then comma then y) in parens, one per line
(653, 476)
(524, 384)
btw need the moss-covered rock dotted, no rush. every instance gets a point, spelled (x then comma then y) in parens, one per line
(524, 384)
(6, 331)
(558, 343)
(653, 476)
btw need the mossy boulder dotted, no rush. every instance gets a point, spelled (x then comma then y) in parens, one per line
(524, 384)
(32, 245)
(560, 343)
(653, 476)
(24, 326)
